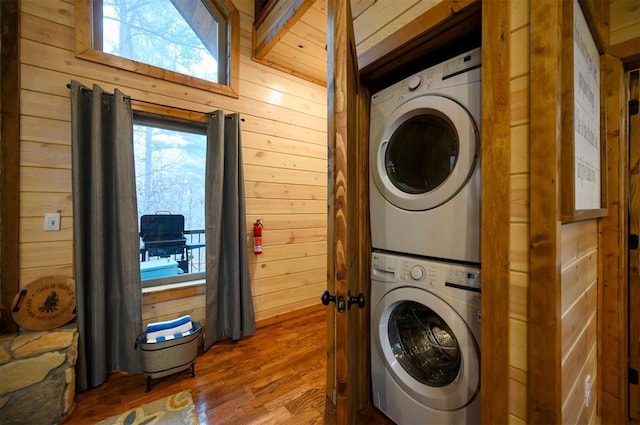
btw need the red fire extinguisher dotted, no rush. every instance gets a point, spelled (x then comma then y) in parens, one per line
(257, 237)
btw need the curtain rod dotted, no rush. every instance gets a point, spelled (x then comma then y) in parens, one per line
(154, 103)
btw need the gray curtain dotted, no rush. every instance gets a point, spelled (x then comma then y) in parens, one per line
(229, 304)
(106, 243)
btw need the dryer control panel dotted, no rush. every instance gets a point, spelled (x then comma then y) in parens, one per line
(456, 71)
(463, 279)
(462, 63)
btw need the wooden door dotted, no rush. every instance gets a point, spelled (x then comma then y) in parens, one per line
(634, 254)
(348, 247)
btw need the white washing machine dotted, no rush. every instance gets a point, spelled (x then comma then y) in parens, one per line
(425, 335)
(424, 162)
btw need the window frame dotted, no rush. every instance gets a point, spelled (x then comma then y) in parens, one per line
(155, 119)
(87, 20)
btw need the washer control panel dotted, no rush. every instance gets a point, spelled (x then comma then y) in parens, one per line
(433, 274)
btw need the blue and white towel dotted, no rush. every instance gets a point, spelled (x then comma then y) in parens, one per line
(171, 329)
(170, 337)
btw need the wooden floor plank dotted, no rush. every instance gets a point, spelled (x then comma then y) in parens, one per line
(275, 376)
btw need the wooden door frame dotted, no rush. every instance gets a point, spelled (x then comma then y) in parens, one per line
(633, 84)
(613, 241)
(496, 213)
(10, 161)
(544, 404)
(348, 229)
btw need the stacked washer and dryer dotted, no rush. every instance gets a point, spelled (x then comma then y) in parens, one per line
(425, 232)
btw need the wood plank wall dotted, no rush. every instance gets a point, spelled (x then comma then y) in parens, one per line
(581, 273)
(285, 161)
(571, 350)
(579, 303)
(519, 227)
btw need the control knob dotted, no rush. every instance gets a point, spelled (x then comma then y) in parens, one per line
(414, 83)
(417, 273)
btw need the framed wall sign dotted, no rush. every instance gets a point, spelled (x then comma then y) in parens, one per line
(583, 151)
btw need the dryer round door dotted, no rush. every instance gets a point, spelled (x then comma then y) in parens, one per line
(427, 153)
(427, 348)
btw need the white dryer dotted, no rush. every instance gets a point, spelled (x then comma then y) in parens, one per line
(424, 162)
(425, 335)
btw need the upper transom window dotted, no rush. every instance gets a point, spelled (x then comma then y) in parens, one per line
(192, 42)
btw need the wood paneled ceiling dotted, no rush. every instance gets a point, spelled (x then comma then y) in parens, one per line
(291, 35)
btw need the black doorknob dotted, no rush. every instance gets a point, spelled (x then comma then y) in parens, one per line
(357, 299)
(327, 298)
(341, 302)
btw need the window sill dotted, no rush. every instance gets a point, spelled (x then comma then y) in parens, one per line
(172, 286)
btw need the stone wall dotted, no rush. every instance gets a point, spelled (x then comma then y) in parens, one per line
(37, 377)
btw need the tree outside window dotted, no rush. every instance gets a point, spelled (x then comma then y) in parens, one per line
(189, 42)
(155, 32)
(170, 171)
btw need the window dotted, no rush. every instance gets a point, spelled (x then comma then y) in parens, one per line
(170, 170)
(191, 42)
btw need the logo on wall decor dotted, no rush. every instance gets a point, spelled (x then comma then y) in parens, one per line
(45, 303)
(51, 304)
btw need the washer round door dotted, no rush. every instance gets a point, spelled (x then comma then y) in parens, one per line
(427, 348)
(427, 153)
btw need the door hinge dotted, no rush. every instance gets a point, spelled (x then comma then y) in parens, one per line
(633, 241)
(633, 107)
(633, 376)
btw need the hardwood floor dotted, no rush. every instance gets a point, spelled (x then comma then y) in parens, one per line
(276, 376)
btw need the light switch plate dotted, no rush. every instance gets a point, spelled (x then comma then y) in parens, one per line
(52, 221)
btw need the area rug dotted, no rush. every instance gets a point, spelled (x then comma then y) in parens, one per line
(177, 409)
